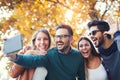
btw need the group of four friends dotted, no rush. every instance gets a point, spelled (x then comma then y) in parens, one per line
(40, 62)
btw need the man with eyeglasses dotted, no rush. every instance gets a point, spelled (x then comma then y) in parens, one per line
(62, 62)
(109, 48)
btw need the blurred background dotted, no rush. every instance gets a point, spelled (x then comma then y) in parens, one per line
(27, 16)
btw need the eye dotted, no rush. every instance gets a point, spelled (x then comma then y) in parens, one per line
(45, 39)
(61, 36)
(38, 39)
(93, 32)
(80, 45)
(87, 45)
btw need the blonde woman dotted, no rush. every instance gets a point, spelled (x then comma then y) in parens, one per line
(40, 41)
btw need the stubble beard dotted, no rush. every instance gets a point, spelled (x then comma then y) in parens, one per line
(101, 41)
(66, 48)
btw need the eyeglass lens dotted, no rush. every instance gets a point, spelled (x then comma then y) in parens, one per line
(93, 32)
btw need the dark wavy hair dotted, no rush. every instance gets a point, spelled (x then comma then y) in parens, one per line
(101, 25)
(93, 52)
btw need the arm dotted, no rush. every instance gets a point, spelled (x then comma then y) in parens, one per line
(117, 39)
(16, 70)
(31, 60)
(36, 52)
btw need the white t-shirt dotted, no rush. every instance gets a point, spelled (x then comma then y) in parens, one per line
(40, 73)
(97, 74)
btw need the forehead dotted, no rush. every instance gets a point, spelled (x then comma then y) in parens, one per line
(84, 42)
(94, 28)
(42, 34)
(62, 31)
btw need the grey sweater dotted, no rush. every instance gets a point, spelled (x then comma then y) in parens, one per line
(111, 58)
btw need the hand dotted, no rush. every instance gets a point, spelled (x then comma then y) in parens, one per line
(25, 49)
(114, 25)
(36, 52)
(11, 56)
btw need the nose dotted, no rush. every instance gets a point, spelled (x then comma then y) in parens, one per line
(84, 47)
(41, 41)
(58, 39)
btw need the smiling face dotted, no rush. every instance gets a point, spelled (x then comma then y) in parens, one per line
(97, 38)
(63, 39)
(41, 41)
(85, 48)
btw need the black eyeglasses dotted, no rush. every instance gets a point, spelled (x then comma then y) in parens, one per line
(61, 36)
(93, 32)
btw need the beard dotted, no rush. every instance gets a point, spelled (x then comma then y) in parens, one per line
(101, 41)
(66, 47)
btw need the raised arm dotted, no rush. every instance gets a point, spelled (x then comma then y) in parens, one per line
(28, 60)
(31, 60)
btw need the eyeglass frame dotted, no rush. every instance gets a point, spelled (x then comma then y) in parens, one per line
(62, 36)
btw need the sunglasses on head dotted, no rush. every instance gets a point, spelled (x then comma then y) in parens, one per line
(93, 32)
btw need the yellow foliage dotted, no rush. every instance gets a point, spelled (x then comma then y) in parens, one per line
(33, 15)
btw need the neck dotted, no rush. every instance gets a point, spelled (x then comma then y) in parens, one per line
(67, 50)
(107, 43)
(91, 59)
(93, 62)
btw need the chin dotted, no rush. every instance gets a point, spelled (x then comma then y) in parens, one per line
(59, 49)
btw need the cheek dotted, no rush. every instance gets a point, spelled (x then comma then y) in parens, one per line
(37, 43)
(47, 43)
(67, 41)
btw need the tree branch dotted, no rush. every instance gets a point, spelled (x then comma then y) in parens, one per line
(106, 9)
(58, 2)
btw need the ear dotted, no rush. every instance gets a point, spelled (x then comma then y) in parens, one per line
(71, 38)
(105, 33)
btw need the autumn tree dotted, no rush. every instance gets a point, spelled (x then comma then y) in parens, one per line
(30, 15)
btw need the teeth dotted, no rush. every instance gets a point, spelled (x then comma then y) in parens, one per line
(59, 43)
(85, 51)
(42, 46)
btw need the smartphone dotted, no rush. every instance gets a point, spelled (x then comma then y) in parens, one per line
(13, 44)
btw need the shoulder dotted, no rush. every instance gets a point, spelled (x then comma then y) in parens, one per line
(76, 52)
(54, 49)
